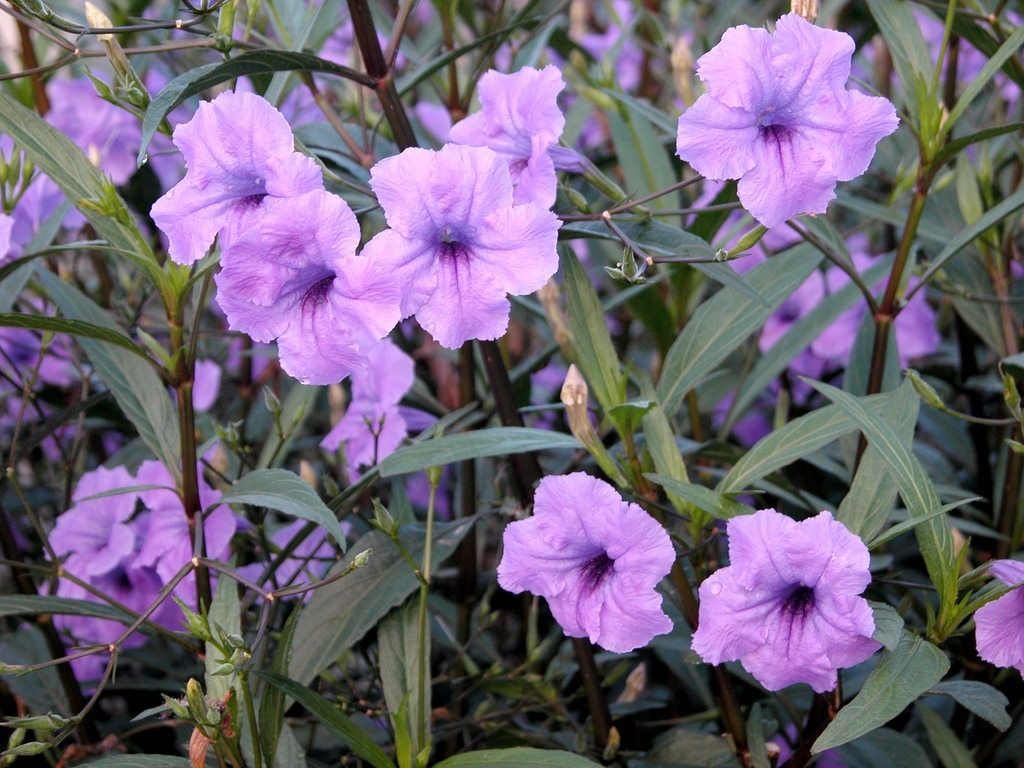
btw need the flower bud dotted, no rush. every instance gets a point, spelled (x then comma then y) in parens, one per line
(196, 700)
(382, 518)
(361, 559)
(806, 8)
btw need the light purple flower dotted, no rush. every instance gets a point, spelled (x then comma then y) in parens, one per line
(999, 625)
(206, 385)
(788, 606)
(168, 542)
(373, 425)
(777, 116)
(95, 534)
(519, 119)
(295, 276)
(6, 225)
(240, 153)
(459, 240)
(309, 561)
(596, 559)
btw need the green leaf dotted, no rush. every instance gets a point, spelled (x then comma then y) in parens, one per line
(296, 409)
(139, 761)
(286, 492)
(73, 327)
(934, 537)
(869, 502)
(336, 721)
(270, 715)
(755, 738)
(668, 461)
(139, 392)
(969, 234)
(977, 84)
(35, 605)
(726, 320)
(517, 757)
(888, 625)
(775, 360)
(63, 161)
(642, 156)
(262, 62)
(953, 148)
(950, 750)
(449, 449)
(715, 504)
(226, 613)
(902, 34)
(982, 699)
(876, 750)
(792, 441)
(340, 613)
(591, 341)
(398, 645)
(900, 677)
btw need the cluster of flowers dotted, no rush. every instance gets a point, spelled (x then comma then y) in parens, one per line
(468, 225)
(126, 536)
(788, 606)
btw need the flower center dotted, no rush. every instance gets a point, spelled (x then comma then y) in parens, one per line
(317, 292)
(799, 601)
(595, 569)
(453, 251)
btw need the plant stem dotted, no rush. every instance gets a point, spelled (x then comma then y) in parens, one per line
(423, 632)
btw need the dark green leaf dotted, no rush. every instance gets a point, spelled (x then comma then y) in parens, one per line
(139, 392)
(340, 613)
(73, 327)
(262, 62)
(980, 698)
(888, 625)
(726, 320)
(36, 605)
(713, 503)
(286, 492)
(517, 757)
(139, 761)
(951, 751)
(398, 642)
(449, 449)
(592, 344)
(900, 677)
(336, 721)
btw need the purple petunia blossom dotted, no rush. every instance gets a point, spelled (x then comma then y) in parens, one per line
(999, 625)
(373, 425)
(596, 559)
(458, 240)
(95, 534)
(777, 116)
(240, 153)
(519, 119)
(788, 606)
(295, 276)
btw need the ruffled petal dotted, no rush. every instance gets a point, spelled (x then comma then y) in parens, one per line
(718, 141)
(738, 71)
(518, 248)
(999, 630)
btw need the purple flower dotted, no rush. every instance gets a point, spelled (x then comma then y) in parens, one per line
(596, 559)
(6, 225)
(999, 626)
(373, 425)
(519, 119)
(777, 116)
(295, 276)
(168, 541)
(460, 241)
(788, 606)
(95, 534)
(206, 384)
(240, 153)
(309, 560)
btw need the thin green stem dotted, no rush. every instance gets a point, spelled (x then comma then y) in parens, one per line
(423, 627)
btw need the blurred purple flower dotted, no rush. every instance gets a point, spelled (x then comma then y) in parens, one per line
(461, 244)
(6, 225)
(999, 625)
(168, 541)
(240, 153)
(596, 559)
(519, 119)
(373, 425)
(95, 534)
(788, 606)
(970, 61)
(295, 276)
(777, 116)
(206, 384)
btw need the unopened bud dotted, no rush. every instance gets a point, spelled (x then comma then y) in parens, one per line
(272, 401)
(336, 400)
(549, 297)
(382, 518)
(123, 71)
(925, 390)
(578, 201)
(574, 395)
(178, 708)
(196, 700)
(27, 749)
(362, 558)
(48, 722)
(745, 243)
(307, 473)
(682, 69)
